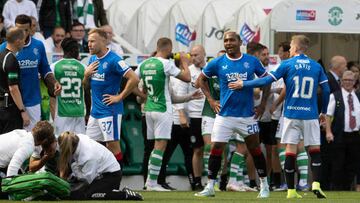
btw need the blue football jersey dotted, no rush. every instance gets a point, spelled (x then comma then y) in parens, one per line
(32, 60)
(235, 103)
(107, 80)
(302, 76)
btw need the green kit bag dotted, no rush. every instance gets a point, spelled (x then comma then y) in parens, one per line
(35, 186)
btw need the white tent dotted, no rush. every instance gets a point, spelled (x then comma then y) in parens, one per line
(320, 16)
(180, 24)
(120, 14)
(146, 22)
(216, 14)
(247, 20)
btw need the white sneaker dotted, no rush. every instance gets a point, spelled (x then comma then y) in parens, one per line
(264, 191)
(155, 187)
(234, 187)
(207, 192)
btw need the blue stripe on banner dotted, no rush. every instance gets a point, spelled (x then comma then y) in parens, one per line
(115, 127)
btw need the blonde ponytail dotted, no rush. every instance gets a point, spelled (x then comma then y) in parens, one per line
(68, 142)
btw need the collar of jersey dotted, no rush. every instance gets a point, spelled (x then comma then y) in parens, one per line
(28, 44)
(234, 59)
(301, 55)
(104, 55)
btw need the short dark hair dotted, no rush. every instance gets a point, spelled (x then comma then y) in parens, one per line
(23, 19)
(77, 23)
(253, 47)
(14, 34)
(70, 48)
(163, 43)
(285, 46)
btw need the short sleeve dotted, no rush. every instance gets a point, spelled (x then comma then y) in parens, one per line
(259, 68)
(171, 69)
(52, 67)
(322, 77)
(11, 68)
(210, 69)
(279, 72)
(331, 106)
(44, 67)
(137, 70)
(121, 66)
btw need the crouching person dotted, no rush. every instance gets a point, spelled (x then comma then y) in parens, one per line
(18, 145)
(95, 166)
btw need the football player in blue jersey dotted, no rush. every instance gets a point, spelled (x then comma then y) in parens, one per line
(104, 74)
(235, 110)
(302, 76)
(33, 61)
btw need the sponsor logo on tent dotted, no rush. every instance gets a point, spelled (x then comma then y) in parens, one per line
(306, 15)
(335, 16)
(247, 35)
(217, 33)
(184, 35)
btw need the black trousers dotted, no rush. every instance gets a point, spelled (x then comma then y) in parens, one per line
(10, 119)
(345, 161)
(326, 161)
(179, 136)
(101, 188)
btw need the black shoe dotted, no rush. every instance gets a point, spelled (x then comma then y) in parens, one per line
(167, 186)
(223, 183)
(197, 187)
(132, 195)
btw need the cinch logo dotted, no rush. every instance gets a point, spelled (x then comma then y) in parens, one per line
(247, 35)
(309, 15)
(28, 63)
(184, 34)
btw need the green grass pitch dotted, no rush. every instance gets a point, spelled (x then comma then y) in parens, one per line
(222, 197)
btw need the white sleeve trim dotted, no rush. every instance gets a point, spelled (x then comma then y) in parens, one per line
(273, 76)
(323, 82)
(205, 74)
(263, 74)
(126, 71)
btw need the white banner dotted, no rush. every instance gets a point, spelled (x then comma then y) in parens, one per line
(325, 16)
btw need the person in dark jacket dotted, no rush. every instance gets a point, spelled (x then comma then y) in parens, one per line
(54, 14)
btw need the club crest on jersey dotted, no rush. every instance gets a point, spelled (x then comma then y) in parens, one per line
(35, 51)
(122, 64)
(246, 65)
(105, 65)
